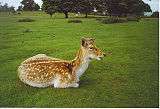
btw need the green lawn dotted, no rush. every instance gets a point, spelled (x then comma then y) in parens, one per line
(127, 78)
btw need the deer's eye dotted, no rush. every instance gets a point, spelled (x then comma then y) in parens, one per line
(91, 48)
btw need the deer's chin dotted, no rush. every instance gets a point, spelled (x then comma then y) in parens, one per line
(96, 57)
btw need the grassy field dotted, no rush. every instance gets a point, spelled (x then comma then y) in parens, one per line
(127, 78)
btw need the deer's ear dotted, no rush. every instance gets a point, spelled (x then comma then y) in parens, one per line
(83, 42)
(92, 39)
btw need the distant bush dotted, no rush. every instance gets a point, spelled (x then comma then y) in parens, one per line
(26, 20)
(113, 20)
(155, 14)
(19, 13)
(74, 21)
(133, 18)
(99, 19)
(27, 31)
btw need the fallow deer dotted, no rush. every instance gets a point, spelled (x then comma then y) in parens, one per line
(42, 71)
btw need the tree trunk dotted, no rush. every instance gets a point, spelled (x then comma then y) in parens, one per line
(50, 15)
(66, 14)
(86, 15)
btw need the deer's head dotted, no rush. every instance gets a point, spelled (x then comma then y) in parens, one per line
(90, 49)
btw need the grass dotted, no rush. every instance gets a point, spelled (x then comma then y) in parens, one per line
(127, 78)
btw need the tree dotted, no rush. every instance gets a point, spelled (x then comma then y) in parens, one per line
(84, 6)
(20, 8)
(111, 7)
(30, 5)
(51, 10)
(64, 6)
(98, 5)
(50, 6)
(124, 7)
(36, 7)
(11, 9)
(6, 8)
(147, 8)
(137, 7)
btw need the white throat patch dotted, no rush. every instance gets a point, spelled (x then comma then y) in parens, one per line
(82, 68)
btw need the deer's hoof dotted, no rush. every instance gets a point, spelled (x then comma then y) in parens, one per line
(76, 85)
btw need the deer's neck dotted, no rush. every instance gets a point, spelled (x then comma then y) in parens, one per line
(80, 63)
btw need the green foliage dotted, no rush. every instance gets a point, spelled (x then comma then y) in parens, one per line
(30, 5)
(74, 21)
(50, 7)
(64, 6)
(111, 20)
(111, 7)
(26, 20)
(146, 8)
(122, 7)
(51, 10)
(127, 78)
(36, 7)
(84, 6)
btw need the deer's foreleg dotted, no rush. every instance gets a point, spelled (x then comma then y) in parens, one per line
(65, 82)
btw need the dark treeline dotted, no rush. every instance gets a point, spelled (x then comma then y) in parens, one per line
(102, 7)
(27, 5)
(6, 8)
(107, 7)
